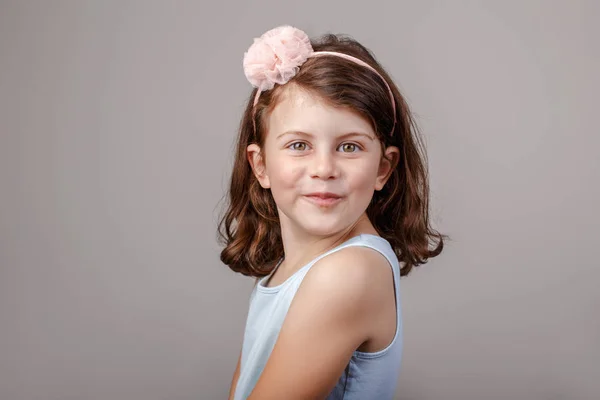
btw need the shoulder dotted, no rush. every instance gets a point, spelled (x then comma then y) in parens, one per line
(351, 279)
(352, 266)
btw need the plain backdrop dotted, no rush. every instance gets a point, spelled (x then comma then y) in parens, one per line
(117, 122)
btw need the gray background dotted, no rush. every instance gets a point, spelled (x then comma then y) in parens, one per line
(117, 124)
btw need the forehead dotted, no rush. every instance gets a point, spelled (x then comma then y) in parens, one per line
(300, 110)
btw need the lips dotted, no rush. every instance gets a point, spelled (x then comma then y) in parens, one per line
(323, 199)
(324, 195)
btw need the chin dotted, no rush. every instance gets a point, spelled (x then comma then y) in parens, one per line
(321, 227)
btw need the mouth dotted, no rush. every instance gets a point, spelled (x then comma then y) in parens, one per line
(323, 198)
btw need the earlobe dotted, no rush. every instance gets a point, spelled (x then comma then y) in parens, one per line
(256, 160)
(388, 163)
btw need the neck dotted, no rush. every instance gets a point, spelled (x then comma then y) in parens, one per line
(300, 247)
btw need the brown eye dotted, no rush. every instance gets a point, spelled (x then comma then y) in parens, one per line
(298, 146)
(349, 147)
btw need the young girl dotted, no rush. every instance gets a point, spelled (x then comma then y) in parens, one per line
(328, 195)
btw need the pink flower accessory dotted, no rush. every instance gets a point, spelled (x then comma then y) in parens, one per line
(277, 55)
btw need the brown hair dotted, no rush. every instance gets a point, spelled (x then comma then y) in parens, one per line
(249, 228)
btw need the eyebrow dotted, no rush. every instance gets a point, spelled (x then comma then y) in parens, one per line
(350, 134)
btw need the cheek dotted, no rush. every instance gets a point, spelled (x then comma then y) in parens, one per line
(284, 173)
(363, 177)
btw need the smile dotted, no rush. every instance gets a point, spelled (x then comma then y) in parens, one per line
(323, 201)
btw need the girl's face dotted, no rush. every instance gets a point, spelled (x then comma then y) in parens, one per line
(322, 164)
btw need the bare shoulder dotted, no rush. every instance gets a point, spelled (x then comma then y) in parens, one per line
(352, 265)
(355, 273)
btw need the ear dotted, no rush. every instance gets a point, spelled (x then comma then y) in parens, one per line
(257, 163)
(388, 163)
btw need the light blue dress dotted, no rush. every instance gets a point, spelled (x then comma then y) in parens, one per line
(367, 375)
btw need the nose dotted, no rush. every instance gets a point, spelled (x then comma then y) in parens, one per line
(323, 166)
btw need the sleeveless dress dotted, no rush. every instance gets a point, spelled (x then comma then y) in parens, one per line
(366, 376)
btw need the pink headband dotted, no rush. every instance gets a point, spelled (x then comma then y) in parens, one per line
(277, 55)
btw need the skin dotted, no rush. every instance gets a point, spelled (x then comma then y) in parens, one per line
(346, 300)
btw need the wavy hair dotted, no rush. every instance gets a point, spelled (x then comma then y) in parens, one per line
(249, 227)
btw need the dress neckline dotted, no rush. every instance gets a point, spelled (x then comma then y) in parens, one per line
(274, 289)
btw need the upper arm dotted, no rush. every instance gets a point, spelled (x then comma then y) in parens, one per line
(326, 322)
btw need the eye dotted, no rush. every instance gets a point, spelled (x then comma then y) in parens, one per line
(349, 147)
(300, 146)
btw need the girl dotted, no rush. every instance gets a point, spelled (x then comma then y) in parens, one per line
(328, 195)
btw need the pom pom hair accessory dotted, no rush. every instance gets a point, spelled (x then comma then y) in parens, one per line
(277, 55)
